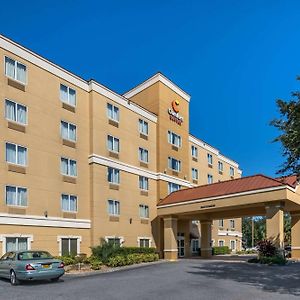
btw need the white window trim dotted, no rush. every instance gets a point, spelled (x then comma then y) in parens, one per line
(212, 178)
(210, 155)
(108, 116)
(179, 139)
(16, 164)
(144, 205)
(115, 237)
(114, 215)
(193, 155)
(111, 150)
(144, 238)
(68, 89)
(221, 241)
(69, 175)
(15, 79)
(16, 186)
(60, 237)
(69, 123)
(179, 164)
(69, 195)
(16, 122)
(220, 164)
(195, 171)
(143, 121)
(147, 180)
(15, 235)
(140, 158)
(113, 182)
(235, 243)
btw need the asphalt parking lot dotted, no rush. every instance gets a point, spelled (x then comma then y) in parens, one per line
(186, 279)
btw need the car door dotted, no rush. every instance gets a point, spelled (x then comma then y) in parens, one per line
(3, 264)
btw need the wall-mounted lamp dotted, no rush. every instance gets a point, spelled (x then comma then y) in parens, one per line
(130, 220)
(46, 213)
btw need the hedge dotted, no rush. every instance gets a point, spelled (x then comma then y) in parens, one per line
(130, 259)
(221, 250)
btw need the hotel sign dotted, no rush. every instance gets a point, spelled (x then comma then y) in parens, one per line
(174, 112)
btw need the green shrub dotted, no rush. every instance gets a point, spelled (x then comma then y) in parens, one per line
(269, 260)
(96, 264)
(130, 259)
(221, 250)
(67, 260)
(117, 261)
(253, 260)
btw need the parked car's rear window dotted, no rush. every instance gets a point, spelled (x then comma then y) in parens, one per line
(32, 255)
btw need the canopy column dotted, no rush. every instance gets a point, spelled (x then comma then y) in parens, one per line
(170, 238)
(206, 250)
(295, 234)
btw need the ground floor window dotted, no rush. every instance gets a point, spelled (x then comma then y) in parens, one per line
(144, 243)
(69, 246)
(195, 245)
(16, 244)
(232, 245)
(221, 243)
(115, 241)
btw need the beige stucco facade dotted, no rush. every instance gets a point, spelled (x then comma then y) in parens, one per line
(42, 221)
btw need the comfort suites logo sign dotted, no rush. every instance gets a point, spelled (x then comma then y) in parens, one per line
(174, 112)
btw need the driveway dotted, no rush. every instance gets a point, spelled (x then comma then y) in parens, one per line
(186, 279)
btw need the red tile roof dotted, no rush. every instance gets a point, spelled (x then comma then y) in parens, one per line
(244, 184)
(290, 180)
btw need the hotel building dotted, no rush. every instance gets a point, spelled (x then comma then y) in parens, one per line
(80, 163)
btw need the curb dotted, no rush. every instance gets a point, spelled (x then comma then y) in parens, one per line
(112, 270)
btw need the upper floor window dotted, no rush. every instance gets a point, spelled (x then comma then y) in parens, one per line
(231, 171)
(194, 174)
(143, 155)
(210, 179)
(113, 112)
(194, 151)
(16, 154)
(15, 70)
(113, 207)
(174, 139)
(144, 211)
(221, 223)
(67, 95)
(143, 127)
(209, 159)
(232, 224)
(174, 164)
(69, 202)
(220, 166)
(143, 183)
(113, 175)
(15, 112)
(68, 131)
(68, 166)
(113, 144)
(15, 195)
(173, 187)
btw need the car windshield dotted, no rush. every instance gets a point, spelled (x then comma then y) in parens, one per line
(32, 255)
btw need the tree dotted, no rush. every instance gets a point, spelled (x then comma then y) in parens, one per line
(289, 126)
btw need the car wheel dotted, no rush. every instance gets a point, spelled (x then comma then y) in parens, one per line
(13, 278)
(54, 279)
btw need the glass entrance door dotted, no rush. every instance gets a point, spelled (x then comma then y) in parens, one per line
(180, 244)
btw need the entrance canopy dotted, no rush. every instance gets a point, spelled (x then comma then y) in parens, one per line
(247, 196)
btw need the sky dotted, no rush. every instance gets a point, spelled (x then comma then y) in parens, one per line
(234, 58)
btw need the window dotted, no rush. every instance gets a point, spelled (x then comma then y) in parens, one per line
(15, 112)
(209, 159)
(144, 243)
(16, 154)
(68, 131)
(16, 244)
(194, 151)
(221, 223)
(174, 164)
(67, 95)
(144, 211)
(68, 166)
(173, 187)
(113, 207)
(114, 241)
(143, 127)
(194, 174)
(195, 245)
(231, 171)
(232, 224)
(210, 179)
(69, 246)
(143, 155)
(220, 167)
(69, 202)
(232, 245)
(143, 183)
(113, 144)
(174, 139)
(221, 243)
(15, 70)
(113, 112)
(16, 196)
(113, 175)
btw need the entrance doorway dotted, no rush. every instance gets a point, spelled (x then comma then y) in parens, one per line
(180, 244)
